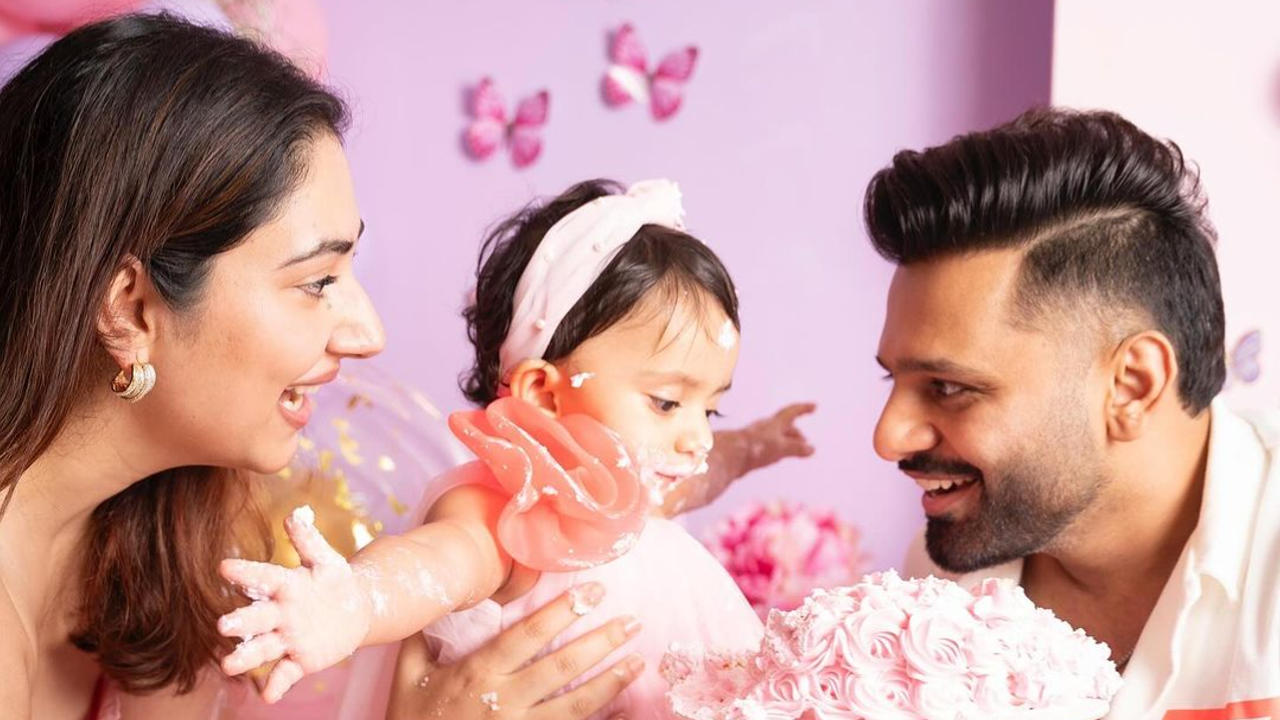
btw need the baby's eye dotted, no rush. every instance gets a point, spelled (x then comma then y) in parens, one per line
(714, 414)
(662, 405)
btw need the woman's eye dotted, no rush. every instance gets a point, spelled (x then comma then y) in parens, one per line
(317, 288)
(663, 406)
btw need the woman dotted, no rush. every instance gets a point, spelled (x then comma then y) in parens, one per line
(177, 225)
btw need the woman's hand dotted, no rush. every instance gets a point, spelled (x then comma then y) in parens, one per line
(495, 682)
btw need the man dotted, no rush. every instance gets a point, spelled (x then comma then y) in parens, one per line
(1054, 337)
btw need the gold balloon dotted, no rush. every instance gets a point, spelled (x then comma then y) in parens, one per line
(339, 518)
(360, 436)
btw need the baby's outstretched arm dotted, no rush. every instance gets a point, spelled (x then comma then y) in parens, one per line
(738, 452)
(314, 616)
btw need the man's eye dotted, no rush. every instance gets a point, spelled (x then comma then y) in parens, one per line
(944, 389)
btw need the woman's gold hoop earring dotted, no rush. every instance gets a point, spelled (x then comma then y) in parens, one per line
(142, 377)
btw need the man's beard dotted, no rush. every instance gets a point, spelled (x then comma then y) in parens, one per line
(1022, 506)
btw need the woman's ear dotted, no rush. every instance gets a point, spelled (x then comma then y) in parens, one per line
(127, 318)
(538, 383)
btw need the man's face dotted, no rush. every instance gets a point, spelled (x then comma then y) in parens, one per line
(993, 420)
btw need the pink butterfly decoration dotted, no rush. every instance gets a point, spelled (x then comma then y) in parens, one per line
(1244, 363)
(628, 77)
(490, 126)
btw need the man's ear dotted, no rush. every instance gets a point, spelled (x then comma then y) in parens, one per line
(1144, 370)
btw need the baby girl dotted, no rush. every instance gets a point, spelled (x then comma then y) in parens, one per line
(605, 337)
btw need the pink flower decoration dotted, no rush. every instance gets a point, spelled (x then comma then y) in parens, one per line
(490, 127)
(894, 649)
(778, 552)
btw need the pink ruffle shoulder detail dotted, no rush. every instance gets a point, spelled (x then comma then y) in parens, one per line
(576, 501)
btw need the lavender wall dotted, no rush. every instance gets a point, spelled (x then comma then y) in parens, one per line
(793, 106)
(1139, 63)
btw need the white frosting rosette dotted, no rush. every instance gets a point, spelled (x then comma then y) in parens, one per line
(894, 649)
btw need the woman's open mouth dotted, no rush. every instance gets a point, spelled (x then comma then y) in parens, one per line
(295, 404)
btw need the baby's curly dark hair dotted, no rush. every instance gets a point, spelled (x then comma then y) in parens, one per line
(656, 258)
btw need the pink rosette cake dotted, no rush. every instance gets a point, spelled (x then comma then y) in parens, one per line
(894, 649)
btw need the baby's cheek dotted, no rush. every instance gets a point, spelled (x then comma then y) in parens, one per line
(608, 406)
(583, 400)
(645, 436)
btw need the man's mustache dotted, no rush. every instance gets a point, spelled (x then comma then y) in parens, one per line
(927, 464)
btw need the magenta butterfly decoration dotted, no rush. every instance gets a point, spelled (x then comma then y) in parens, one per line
(490, 126)
(1243, 363)
(629, 78)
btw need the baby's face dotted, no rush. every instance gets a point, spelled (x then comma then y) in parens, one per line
(656, 378)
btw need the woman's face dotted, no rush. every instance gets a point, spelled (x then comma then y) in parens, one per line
(278, 314)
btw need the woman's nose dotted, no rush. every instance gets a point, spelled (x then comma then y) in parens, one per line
(360, 333)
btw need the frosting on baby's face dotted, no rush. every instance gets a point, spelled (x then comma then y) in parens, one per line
(656, 378)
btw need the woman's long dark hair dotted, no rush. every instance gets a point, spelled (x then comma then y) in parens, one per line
(140, 137)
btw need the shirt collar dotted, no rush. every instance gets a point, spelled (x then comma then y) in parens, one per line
(1234, 474)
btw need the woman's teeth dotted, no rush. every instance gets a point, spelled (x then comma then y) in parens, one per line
(292, 398)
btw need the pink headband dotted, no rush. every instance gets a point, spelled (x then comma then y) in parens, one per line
(574, 252)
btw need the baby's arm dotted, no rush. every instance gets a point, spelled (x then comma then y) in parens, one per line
(738, 452)
(314, 616)
(450, 562)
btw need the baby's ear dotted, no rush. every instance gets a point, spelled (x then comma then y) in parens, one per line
(538, 383)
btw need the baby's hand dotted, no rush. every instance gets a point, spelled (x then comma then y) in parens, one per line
(776, 438)
(309, 618)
